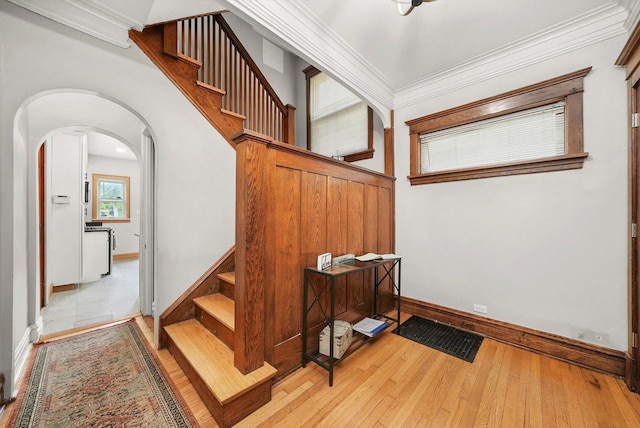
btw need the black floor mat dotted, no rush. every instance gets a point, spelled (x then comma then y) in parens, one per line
(441, 337)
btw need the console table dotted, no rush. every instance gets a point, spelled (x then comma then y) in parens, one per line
(382, 268)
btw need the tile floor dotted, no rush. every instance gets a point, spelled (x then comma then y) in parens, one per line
(114, 296)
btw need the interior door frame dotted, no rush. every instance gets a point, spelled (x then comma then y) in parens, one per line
(632, 375)
(147, 226)
(630, 59)
(42, 226)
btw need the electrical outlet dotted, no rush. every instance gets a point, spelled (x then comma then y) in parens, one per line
(479, 308)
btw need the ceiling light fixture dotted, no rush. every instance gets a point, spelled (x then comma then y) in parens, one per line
(403, 10)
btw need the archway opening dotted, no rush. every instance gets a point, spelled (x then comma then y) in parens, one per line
(101, 122)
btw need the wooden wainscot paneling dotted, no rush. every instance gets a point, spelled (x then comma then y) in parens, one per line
(314, 204)
(340, 211)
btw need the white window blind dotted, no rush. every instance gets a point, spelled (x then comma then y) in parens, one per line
(339, 119)
(530, 134)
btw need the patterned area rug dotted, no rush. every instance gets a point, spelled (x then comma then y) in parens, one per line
(442, 337)
(103, 378)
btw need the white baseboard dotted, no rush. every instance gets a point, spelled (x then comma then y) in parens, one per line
(21, 354)
(37, 330)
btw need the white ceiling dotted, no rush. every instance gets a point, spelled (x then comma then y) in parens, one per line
(440, 35)
(389, 60)
(99, 144)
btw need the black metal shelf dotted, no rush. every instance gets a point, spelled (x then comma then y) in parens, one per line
(328, 362)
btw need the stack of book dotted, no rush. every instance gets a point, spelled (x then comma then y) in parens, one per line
(370, 327)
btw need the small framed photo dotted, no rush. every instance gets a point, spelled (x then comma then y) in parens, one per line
(324, 261)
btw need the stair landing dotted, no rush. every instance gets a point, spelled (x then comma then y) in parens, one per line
(229, 395)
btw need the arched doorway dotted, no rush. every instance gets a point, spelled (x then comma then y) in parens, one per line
(82, 111)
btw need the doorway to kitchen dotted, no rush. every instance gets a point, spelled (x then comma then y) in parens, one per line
(93, 188)
(81, 111)
(93, 235)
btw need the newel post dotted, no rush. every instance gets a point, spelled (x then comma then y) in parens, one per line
(252, 174)
(171, 39)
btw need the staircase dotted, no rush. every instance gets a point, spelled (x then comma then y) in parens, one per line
(203, 349)
(204, 58)
(209, 65)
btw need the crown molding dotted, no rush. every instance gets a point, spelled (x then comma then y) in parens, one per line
(296, 29)
(633, 7)
(91, 17)
(300, 32)
(590, 28)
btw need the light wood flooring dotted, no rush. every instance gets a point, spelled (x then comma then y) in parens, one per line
(393, 382)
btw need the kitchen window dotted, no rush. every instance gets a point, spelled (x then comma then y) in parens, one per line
(111, 198)
(534, 129)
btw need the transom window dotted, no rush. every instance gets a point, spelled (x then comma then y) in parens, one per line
(534, 129)
(339, 124)
(111, 198)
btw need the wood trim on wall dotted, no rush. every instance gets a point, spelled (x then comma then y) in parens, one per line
(630, 59)
(389, 148)
(125, 256)
(310, 72)
(568, 87)
(569, 350)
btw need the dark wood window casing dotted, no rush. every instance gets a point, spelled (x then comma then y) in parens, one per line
(365, 154)
(568, 88)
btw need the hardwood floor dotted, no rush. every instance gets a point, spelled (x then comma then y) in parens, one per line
(393, 382)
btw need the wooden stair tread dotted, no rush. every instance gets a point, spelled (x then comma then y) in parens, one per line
(229, 277)
(219, 307)
(212, 360)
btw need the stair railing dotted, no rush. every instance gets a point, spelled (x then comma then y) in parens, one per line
(227, 65)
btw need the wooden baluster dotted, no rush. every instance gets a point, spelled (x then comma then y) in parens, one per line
(226, 73)
(270, 118)
(218, 52)
(265, 111)
(199, 47)
(254, 103)
(235, 80)
(212, 49)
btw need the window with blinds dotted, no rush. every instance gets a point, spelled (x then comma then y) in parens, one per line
(338, 120)
(529, 134)
(534, 129)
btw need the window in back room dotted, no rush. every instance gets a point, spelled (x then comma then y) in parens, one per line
(339, 124)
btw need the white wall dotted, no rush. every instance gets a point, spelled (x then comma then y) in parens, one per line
(126, 239)
(252, 41)
(546, 251)
(195, 166)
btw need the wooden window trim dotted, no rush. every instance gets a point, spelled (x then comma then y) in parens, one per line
(96, 199)
(568, 87)
(365, 154)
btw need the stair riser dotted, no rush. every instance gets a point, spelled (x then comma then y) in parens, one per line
(234, 410)
(227, 289)
(218, 329)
